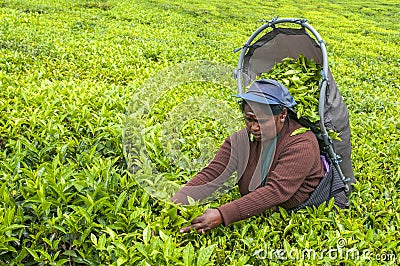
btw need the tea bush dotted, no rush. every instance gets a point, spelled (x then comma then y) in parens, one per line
(68, 71)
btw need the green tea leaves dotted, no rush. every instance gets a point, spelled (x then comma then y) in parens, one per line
(188, 254)
(299, 131)
(204, 255)
(70, 69)
(301, 76)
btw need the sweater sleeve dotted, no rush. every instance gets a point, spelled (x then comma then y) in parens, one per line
(211, 177)
(294, 163)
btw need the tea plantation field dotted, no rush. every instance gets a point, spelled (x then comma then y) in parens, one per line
(69, 72)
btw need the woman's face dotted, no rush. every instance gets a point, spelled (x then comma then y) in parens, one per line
(261, 122)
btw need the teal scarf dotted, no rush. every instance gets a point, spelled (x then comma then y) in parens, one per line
(266, 158)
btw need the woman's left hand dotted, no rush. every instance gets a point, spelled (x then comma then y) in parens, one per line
(210, 219)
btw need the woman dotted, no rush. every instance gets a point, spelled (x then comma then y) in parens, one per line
(276, 167)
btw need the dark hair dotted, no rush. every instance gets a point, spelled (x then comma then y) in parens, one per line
(276, 109)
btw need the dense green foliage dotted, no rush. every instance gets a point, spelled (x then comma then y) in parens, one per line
(69, 69)
(301, 76)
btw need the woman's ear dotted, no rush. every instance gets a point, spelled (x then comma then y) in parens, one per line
(241, 105)
(283, 114)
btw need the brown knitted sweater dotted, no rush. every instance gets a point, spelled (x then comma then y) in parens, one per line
(294, 172)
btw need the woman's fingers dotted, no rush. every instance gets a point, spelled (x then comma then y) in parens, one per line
(197, 226)
(185, 229)
(198, 220)
(201, 231)
(205, 222)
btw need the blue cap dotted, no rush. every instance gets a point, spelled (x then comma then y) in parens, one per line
(268, 91)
